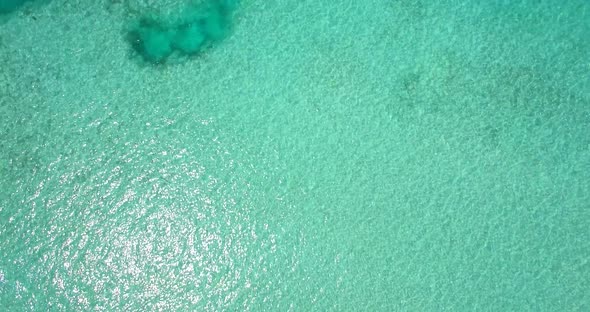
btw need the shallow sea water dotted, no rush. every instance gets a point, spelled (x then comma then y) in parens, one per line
(338, 156)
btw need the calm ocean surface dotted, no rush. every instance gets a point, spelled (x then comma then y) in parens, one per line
(386, 155)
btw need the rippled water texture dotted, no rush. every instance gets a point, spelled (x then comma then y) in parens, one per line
(324, 156)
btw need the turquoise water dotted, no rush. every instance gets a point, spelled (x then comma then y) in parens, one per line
(7, 6)
(337, 156)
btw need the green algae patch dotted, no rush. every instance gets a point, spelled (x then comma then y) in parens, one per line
(188, 32)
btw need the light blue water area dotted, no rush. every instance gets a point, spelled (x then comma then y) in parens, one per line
(325, 156)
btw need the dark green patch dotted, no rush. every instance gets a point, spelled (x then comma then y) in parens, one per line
(188, 33)
(7, 6)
